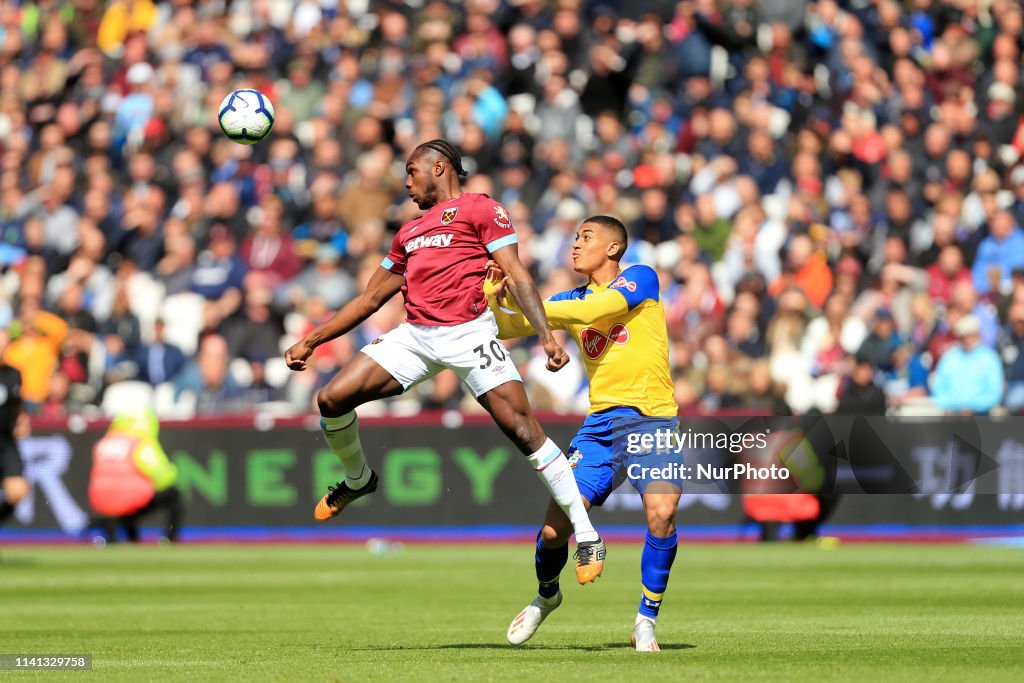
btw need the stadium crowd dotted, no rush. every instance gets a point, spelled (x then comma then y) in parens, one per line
(831, 191)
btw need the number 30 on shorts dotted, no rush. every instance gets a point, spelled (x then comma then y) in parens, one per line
(497, 351)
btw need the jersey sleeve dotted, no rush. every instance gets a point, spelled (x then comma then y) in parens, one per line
(494, 225)
(603, 304)
(395, 260)
(637, 284)
(511, 323)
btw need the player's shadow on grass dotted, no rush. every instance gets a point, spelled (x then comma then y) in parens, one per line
(506, 646)
(666, 646)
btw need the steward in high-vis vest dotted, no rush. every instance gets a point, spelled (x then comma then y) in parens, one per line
(132, 476)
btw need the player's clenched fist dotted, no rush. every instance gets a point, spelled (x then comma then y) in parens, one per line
(557, 357)
(496, 275)
(297, 355)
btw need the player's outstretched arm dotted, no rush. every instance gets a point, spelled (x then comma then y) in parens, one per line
(382, 286)
(511, 323)
(604, 304)
(561, 313)
(525, 292)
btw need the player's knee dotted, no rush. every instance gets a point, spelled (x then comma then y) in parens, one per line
(527, 434)
(518, 430)
(661, 523)
(661, 517)
(330, 404)
(15, 489)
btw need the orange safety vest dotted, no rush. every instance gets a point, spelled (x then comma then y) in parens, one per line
(776, 501)
(116, 486)
(781, 507)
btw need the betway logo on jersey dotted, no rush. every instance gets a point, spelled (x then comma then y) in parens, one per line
(595, 343)
(428, 241)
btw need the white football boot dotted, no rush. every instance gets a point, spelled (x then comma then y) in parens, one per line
(529, 620)
(643, 636)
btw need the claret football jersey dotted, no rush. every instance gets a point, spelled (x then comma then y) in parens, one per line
(442, 255)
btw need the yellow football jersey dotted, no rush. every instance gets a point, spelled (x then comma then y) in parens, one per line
(626, 353)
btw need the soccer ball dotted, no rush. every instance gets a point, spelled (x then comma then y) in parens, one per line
(246, 116)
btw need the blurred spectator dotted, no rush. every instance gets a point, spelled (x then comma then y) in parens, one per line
(998, 254)
(268, 249)
(35, 350)
(806, 269)
(259, 390)
(761, 393)
(1011, 348)
(860, 395)
(367, 196)
(710, 231)
(742, 334)
(219, 273)
(121, 336)
(946, 272)
(324, 279)
(785, 335)
(208, 379)
(718, 394)
(833, 335)
(881, 342)
(254, 333)
(121, 18)
(693, 309)
(965, 300)
(159, 361)
(969, 378)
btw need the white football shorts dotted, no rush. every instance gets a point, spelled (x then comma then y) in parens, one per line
(412, 353)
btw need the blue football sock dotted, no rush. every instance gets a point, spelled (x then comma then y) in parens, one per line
(550, 562)
(655, 565)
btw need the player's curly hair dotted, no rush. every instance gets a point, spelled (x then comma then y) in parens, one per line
(448, 151)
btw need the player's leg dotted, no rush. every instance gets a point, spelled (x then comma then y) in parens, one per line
(596, 473)
(550, 556)
(473, 351)
(108, 528)
(661, 500)
(552, 548)
(169, 502)
(511, 411)
(386, 367)
(809, 528)
(15, 488)
(14, 485)
(130, 525)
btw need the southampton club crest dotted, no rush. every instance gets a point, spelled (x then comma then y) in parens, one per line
(449, 215)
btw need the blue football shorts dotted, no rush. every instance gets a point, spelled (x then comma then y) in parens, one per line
(619, 444)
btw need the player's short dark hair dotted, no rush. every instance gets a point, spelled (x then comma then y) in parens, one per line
(448, 151)
(616, 226)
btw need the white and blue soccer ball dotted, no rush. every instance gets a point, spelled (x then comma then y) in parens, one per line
(246, 116)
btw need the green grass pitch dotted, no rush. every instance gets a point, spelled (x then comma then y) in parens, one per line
(439, 613)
